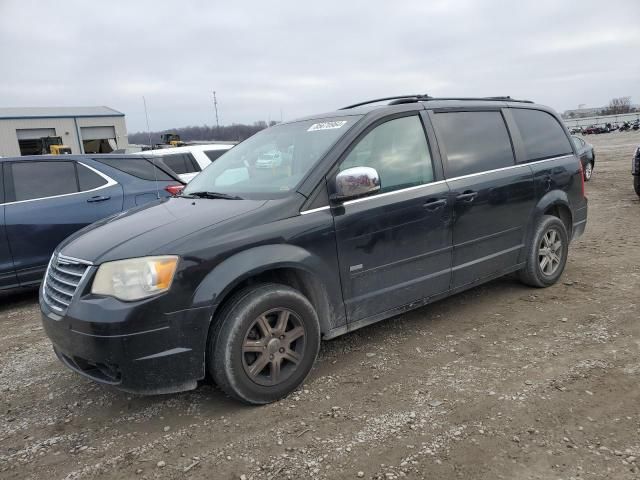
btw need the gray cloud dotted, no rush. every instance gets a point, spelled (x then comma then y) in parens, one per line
(299, 58)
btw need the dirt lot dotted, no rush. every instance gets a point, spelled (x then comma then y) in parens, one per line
(502, 381)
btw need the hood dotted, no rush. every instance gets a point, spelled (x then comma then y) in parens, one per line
(141, 231)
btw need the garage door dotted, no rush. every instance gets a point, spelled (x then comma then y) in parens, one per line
(97, 133)
(33, 133)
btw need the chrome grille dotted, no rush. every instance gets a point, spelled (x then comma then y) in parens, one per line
(61, 281)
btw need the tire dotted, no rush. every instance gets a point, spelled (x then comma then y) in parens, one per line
(636, 184)
(588, 171)
(255, 352)
(539, 274)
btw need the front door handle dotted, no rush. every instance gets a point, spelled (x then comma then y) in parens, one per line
(98, 198)
(467, 197)
(434, 204)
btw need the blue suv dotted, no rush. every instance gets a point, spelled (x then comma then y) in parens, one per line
(44, 199)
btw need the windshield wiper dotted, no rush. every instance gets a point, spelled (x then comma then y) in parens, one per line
(212, 195)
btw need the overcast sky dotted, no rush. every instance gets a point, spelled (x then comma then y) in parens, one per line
(299, 57)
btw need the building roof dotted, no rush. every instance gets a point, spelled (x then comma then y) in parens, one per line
(57, 112)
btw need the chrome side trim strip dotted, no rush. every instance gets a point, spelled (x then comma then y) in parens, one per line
(486, 172)
(386, 194)
(519, 165)
(110, 183)
(507, 168)
(314, 210)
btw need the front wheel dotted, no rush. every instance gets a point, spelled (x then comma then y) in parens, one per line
(588, 171)
(636, 184)
(546, 253)
(265, 343)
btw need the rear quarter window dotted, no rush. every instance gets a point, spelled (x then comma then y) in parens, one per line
(180, 162)
(542, 135)
(88, 179)
(473, 141)
(214, 154)
(139, 168)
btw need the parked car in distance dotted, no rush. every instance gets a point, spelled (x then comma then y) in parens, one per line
(47, 198)
(587, 156)
(597, 129)
(377, 210)
(635, 170)
(269, 160)
(189, 160)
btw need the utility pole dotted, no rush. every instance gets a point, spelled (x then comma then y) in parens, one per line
(215, 106)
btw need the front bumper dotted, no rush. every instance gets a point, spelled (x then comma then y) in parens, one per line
(165, 354)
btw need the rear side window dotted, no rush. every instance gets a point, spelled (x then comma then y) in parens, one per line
(180, 163)
(140, 168)
(42, 179)
(541, 134)
(88, 179)
(474, 141)
(214, 154)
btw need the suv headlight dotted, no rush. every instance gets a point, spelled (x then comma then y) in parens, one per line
(135, 278)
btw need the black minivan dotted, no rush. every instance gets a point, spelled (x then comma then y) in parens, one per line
(309, 230)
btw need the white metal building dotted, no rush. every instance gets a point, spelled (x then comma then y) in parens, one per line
(83, 129)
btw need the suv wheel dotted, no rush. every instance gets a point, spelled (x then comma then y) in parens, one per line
(588, 171)
(636, 184)
(265, 343)
(546, 254)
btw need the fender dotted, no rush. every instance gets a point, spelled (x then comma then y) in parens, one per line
(327, 294)
(549, 200)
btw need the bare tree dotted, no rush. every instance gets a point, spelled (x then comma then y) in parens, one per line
(618, 105)
(234, 132)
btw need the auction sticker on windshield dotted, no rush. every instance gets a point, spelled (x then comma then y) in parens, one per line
(326, 125)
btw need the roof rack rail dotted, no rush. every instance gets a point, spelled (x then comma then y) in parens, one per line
(505, 98)
(399, 99)
(403, 98)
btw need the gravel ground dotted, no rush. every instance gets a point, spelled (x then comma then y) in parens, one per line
(502, 381)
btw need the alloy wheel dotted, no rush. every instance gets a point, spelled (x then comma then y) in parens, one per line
(550, 252)
(273, 347)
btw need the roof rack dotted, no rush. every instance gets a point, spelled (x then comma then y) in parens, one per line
(505, 98)
(424, 98)
(402, 98)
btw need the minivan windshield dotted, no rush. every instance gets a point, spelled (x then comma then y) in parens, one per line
(273, 161)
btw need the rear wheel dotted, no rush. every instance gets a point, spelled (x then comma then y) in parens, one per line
(265, 344)
(546, 254)
(588, 171)
(636, 184)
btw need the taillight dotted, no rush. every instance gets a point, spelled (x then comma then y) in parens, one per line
(581, 176)
(174, 189)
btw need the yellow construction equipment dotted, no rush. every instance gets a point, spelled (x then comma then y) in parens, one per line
(54, 146)
(172, 139)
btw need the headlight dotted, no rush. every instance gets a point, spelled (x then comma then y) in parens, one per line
(135, 278)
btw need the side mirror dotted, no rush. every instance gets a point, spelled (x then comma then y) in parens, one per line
(356, 182)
